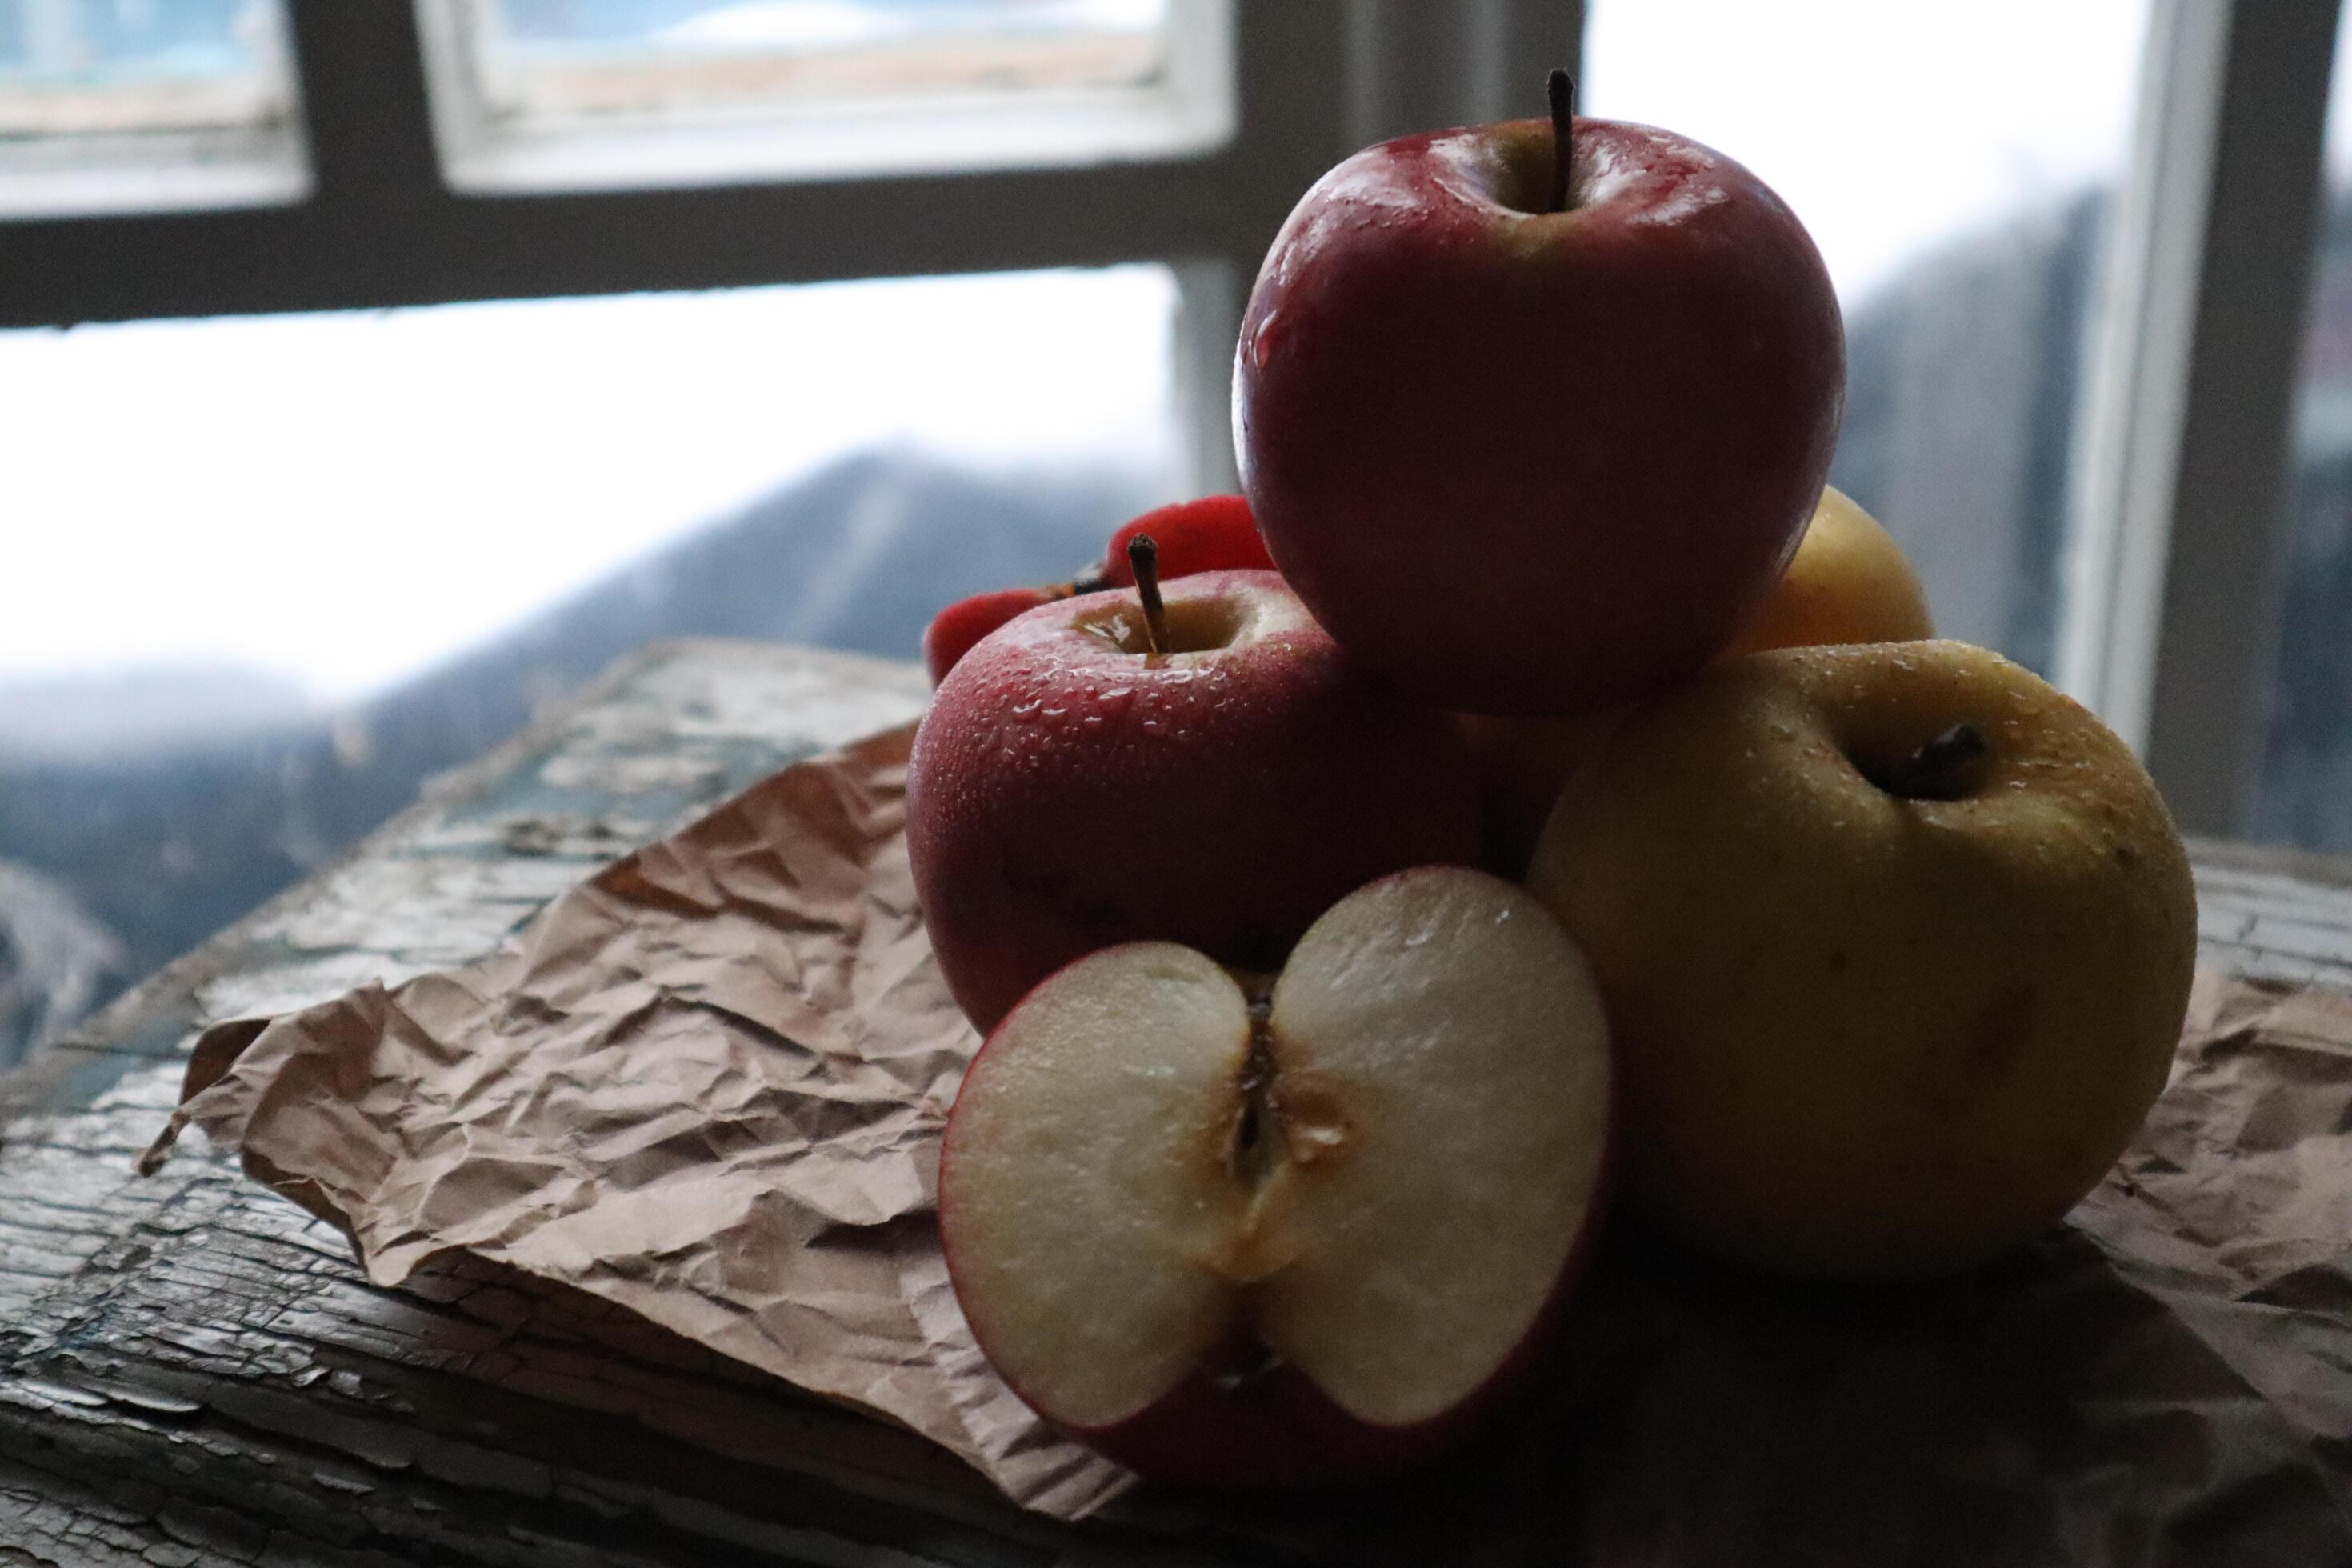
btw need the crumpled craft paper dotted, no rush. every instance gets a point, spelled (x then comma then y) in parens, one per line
(707, 1084)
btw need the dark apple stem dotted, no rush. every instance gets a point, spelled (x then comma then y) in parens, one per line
(1940, 769)
(1561, 89)
(1143, 554)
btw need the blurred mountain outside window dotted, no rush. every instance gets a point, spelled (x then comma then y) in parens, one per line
(268, 574)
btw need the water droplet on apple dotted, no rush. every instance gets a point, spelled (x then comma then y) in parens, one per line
(1264, 339)
(1115, 702)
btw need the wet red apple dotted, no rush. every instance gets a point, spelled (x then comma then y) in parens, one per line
(1532, 415)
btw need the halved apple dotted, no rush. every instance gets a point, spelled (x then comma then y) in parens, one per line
(1294, 1239)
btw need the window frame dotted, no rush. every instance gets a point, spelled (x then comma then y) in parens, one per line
(2169, 630)
(1188, 110)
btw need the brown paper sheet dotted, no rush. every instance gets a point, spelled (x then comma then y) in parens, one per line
(707, 1084)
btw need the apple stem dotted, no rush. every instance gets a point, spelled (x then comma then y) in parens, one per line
(1143, 554)
(1560, 89)
(1940, 769)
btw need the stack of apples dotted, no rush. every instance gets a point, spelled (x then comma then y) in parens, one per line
(1538, 786)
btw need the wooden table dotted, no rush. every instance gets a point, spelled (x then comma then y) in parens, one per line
(193, 1372)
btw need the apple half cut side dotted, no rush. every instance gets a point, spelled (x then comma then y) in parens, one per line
(1296, 1240)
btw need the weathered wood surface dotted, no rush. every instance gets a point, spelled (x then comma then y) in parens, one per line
(194, 1373)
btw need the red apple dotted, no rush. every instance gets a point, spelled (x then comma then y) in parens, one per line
(1214, 534)
(1527, 454)
(1070, 789)
(1296, 1240)
(954, 630)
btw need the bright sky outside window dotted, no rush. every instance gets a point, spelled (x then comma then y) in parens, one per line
(377, 492)
(1956, 164)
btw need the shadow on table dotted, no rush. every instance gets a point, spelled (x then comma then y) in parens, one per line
(2046, 1410)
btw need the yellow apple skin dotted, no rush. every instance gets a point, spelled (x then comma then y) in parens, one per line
(1864, 1036)
(1847, 582)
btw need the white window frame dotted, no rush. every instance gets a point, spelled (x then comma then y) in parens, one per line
(1187, 110)
(2170, 625)
(81, 174)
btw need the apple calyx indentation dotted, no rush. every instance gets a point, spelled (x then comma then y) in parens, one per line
(1559, 92)
(1943, 767)
(1193, 624)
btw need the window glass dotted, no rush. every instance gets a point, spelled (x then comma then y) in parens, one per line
(1955, 163)
(2304, 793)
(271, 573)
(113, 105)
(554, 93)
(557, 57)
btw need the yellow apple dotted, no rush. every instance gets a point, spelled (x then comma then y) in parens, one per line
(1895, 942)
(1847, 582)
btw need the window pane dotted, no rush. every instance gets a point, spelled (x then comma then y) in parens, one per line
(553, 58)
(2305, 793)
(1955, 163)
(539, 93)
(114, 105)
(354, 550)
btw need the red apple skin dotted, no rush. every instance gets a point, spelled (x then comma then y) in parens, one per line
(954, 631)
(1064, 797)
(1214, 534)
(1277, 1431)
(1527, 462)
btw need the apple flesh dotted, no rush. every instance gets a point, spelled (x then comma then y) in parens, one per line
(1214, 534)
(1521, 460)
(1295, 1241)
(1896, 941)
(1070, 789)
